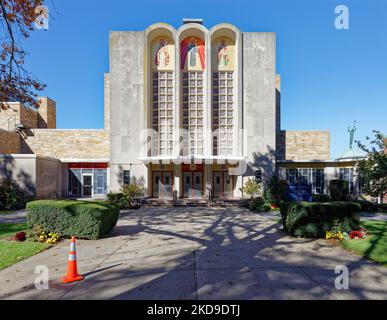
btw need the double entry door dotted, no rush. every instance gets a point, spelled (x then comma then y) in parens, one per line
(223, 184)
(162, 184)
(193, 184)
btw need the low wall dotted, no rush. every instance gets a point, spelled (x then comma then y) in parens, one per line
(37, 176)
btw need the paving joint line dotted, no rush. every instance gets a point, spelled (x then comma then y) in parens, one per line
(94, 268)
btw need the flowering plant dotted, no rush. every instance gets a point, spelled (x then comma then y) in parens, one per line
(39, 234)
(356, 235)
(334, 235)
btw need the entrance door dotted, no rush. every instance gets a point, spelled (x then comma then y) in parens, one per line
(87, 185)
(167, 185)
(218, 184)
(198, 184)
(157, 185)
(193, 184)
(223, 185)
(228, 186)
(187, 184)
(162, 184)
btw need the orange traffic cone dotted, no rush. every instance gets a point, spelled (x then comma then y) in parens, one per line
(72, 272)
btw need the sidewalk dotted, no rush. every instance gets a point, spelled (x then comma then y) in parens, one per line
(18, 216)
(198, 253)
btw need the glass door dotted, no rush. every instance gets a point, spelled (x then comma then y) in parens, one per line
(87, 185)
(187, 184)
(167, 185)
(198, 185)
(218, 184)
(157, 186)
(228, 185)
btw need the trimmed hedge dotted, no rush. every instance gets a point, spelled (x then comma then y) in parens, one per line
(83, 219)
(116, 198)
(312, 220)
(338, 190)
(381, 208)
(366, 206)
(321, 198)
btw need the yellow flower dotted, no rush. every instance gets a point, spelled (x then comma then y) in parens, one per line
(328, 235)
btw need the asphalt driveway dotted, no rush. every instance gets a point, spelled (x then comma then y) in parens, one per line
(198, 253)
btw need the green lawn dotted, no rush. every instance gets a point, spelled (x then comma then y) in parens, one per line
(375, 246)
(4, 212)
(12, 252)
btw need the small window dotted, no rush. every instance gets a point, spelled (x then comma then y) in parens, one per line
(197, 180)
(217, 180)
(258, 176)
(126, 174)
(187, 180)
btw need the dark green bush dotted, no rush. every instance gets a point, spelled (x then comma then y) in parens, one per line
(116, 198)
(312, 220)
(321, 198)
(338, 189)
(11, 197)
(83, 219)
(381, 208)
(131, 194)
(366, 206)
(257, 204)
(275, 191)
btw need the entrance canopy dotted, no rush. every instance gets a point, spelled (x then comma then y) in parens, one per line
(194, 159)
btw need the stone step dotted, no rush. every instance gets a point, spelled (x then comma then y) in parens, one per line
(193, 203)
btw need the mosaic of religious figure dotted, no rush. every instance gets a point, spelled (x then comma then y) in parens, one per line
(193, 53)
(162, 57)
(223, 55)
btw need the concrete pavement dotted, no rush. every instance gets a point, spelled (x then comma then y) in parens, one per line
(17, 216)
(198, 253)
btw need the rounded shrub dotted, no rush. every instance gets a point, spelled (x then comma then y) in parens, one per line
(83, 219)
(312, 220)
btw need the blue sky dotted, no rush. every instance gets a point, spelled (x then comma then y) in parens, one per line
(330, 77)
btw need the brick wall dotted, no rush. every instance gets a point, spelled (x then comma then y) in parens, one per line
(304, 145)
(68, 144)
(10, 117)
(17, 113)
(9, 142)
(46, 113)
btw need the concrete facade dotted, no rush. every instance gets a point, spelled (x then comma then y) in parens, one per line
(259, 102)
(127, 105)
(255, 105)
(37, 176)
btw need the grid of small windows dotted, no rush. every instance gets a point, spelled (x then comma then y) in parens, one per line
(315, 177)
(223, 113)
(162, 113)
(193, 112)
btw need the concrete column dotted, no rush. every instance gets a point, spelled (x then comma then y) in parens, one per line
(176, 179)
(207, 178)
(238, 186)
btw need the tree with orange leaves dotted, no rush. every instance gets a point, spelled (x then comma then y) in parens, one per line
(17, 21)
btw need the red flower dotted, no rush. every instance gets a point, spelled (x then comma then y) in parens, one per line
(356, 234)
(20, 236)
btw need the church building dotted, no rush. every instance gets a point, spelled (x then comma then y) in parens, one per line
(188, 112)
